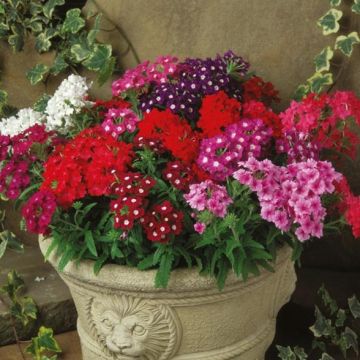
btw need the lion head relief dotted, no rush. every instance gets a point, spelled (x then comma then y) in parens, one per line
(128, 328)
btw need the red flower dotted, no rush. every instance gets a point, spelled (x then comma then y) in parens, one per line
(257, 89)
(257, 110)
(86, 165)
(218, 111)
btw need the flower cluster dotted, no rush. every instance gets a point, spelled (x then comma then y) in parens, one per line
(86, 165)
(257, 89)
(221, 154)
(197, 78)
(68, 100)
(291, 195)
(145, 74)
(20, 122)
(118, 120)
(178, 175)
(328, 118)
(162, 222)
(131, 189)
(208, 196)
(38, 211)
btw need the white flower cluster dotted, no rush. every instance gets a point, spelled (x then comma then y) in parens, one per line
(68, 100)
(24, 119)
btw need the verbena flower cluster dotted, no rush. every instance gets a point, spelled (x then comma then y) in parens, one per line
(187, 164)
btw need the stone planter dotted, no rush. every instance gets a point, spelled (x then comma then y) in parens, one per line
(123, 317)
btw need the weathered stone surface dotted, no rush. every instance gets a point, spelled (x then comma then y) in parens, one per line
(56, 308)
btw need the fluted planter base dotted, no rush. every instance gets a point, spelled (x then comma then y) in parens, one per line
(123, 317)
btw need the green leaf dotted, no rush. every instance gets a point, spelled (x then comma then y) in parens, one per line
(80, 52)
(106, 72)
(73, 21)
(330, 21)
(328, 301)
(41, 103)
(326, 356)
(98, 58)
(346, 43)
(350, 340)
(285, 353)
(2, 9)
(335, 3)
(42, 43)
(354, 306)
(163, 273)
(100, 262)
(356, 7)
(90, 243)
(37, 73)
(35, 26)
(146, 263)
(319, 81)
(322, 326)
(28, 310)
(13, 285)
(47, 341)
(16, 41)
(3, 99)
(301, 92)
(50, 5)
(340, 318)
(91, 37)
(3, 246)
(322, 61)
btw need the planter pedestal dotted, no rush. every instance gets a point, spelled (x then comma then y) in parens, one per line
(123, 317)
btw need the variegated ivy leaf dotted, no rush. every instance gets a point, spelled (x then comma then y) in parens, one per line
(59, 65)
(322, 61)
(335, 2)
(37, 73)
(42, 43)
(16, 41)
(3, 99)
(2, 9)
(80, 51)
(50, 6)
(319, 81)
(354, 306)
(356, 7)
(326, 356)
(73, 21)
(301, 92)
(94, 31)
(98, 58)
(330, 21)
(346, 43)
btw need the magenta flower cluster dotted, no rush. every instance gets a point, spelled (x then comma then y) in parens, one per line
(297, 146)
(117, 121)
(146, 73)
(16, 158)
(38, 211)
(208, 196)
(291, 195)
(219, 155)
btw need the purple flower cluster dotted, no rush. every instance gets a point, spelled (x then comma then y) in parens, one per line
(38, 211)
(219, 155)
(117, 121)
(16, 158)
(297, 146)
(197, 78)
(208, 196)
(291, 195)
(146, 73)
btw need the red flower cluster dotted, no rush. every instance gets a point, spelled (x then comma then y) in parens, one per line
(257, 110)
(86, 165)
(174, 133)
(349, 206)
(178, 175)
(163, 221)
(132, 189)
(257, 89)
(217, 112)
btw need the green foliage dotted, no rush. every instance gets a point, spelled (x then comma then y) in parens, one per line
(330, 21)
(346, 43)
(322, 61)
(22, 308)
(335, 3)
(331, 329)
(43, 344)
(74, 44)
(3, 100)
(356, 7)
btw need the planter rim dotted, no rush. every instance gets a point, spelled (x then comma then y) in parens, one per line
(181, 279)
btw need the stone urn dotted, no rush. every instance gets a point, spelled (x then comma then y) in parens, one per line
(121, 316)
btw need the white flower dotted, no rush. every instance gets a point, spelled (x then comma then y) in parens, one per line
(68, 100)
(20, 122)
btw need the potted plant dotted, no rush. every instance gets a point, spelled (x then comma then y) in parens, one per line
(186, 170)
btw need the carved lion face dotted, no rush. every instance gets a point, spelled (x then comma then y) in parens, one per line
(129, 328)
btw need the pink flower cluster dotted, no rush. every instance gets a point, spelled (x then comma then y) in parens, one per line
(16, 159)
(291, 195)
(38, 211)
(220, 154)
(297, 146)
(146, 73)
(208, 196)
(117, 121)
